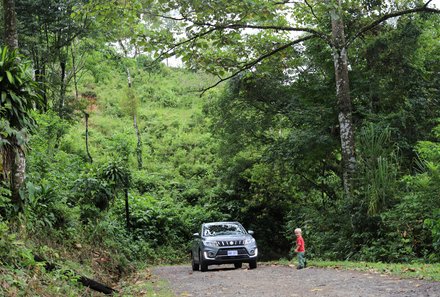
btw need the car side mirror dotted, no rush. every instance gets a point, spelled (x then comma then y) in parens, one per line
(196, 235)
(251, 232)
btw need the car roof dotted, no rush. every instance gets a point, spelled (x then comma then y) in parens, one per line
(218, 223)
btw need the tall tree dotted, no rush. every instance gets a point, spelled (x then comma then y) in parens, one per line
(10, 19)
(17, 99)
(48, 29)
(130, 103)
(14, 159)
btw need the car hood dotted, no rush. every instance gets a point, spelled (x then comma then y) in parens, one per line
(227, 237)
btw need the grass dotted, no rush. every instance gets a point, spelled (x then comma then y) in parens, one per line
(143, 283)
(415, 270)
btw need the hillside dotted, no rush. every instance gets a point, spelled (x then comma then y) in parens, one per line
(75, 218)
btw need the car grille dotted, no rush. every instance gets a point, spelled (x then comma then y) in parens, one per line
(224, 252)
(230, 242)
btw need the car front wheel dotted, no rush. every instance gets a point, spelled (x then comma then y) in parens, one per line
(253, 264)
(203, 265)
(195, 266)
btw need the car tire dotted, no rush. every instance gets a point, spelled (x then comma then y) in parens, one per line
(238, 265)
(203, 265)
(253, 264)
(195, 266)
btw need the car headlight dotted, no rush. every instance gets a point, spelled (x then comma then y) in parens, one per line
(249, 240)
(210, 243)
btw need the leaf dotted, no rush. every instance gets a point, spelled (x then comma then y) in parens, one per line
(10, 77)
(5, 50)
(20, 81)
(17, 99)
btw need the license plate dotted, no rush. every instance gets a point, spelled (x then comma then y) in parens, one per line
(232, 253)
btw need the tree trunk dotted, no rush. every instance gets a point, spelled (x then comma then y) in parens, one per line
(43, 87)
(17, 175)
(139, 143)
(346, 128)
(127, 209)
(10, 22)
(14, 160)
(75, 80)
(62, 88)
(14, 167)
(40, 75)
(135, 125)
(86, 116)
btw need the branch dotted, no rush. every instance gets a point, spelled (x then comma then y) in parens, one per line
(283, 2)
(265, 27)
(171, 50)
(311, 9)
(385, 17)
(256, 61)
(167, 17)
(329, 192)
(87, 282)
(249, 26)
(215, 27)
(427, 3)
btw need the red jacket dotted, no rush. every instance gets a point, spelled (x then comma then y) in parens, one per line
(300, 244)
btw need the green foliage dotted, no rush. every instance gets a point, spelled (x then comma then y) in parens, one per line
(41, 207)
(18, 90)
(378, 168)
(6, 241)
(433, 224)
(276, 151)
(420, 206)
(407, 231)
(117, 175)
(164, 223)
(14, 256)
(402, 86)
(6, 207)
(94, 195)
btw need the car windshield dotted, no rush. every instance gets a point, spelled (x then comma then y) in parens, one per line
(223, 229)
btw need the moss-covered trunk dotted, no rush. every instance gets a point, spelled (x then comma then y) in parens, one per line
(346, 128)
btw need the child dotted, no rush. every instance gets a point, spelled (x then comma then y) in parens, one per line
(300, 249)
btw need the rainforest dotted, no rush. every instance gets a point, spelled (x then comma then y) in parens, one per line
(125, 125)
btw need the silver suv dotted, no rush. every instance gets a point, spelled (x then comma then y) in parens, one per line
(223, 243)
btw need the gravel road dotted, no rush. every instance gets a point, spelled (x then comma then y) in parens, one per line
(280, 281)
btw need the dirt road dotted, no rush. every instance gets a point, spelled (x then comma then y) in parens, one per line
(280, 281)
